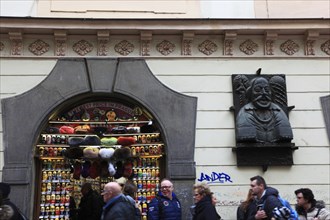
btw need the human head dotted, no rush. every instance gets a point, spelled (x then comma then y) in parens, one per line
(166, 187)
(85, 188)
(200, 191)
(110, 191)
(214, 199)
(130, 189)
(259, 93)
(5, 189)
(258, 185)
(305, 197)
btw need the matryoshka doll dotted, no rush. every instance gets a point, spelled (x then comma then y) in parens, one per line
(57, 210)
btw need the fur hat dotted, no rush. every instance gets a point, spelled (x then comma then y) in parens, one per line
(119, 130)
(100, 130)
(128, 169)
(281, 213)
(82, 129)
(104, 168)
(111, 169)
(66, 130)
(91, 152)
(75, 141)
(121, 181)
(122, 153)
(126, 141)
(5, 189)
(74, 153)
(109, 141)
(91, 140)
(52, 130)
(85, 169)
(106, 153)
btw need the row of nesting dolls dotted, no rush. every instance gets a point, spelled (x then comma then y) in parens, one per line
(53, 199)
(56, 188)
(49, 212)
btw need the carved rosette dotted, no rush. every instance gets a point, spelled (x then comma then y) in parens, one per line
(289, 47)
(309, 47)
(269, 47)
(248, 47)
(60, 47)
(325, 47)
(207, 47)
(102, 47)
(82, 47)
(39, 47)
(165, 47)
(2, 46)
(124, 47)
(186, 47)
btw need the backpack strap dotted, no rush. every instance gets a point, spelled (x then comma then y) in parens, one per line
(318, 212)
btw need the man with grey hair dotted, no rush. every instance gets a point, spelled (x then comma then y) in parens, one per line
(117, 205)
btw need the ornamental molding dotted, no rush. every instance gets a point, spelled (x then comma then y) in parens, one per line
(2, 46)
(165, 47)
(82, 47)
(39, 47)
(289, 47)
(207, 47)
(325, 47)
(145, 39)
(124, 47)
(102, 43)
(248, 47)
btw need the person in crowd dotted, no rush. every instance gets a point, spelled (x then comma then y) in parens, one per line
(117, 206)
(91, 203)
(267, 199)
(6, 212)
(308, 208)
(5, 191)
(247, 209)
(129, 190)
(204, 203)
(165, 206)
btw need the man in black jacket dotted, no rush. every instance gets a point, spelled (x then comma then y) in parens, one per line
(267, 198)
(90, 207)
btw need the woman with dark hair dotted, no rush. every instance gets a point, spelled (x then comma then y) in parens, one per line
(129, 190)
(204, 208)
(247, 209)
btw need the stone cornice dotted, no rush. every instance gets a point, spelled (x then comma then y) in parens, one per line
(49, 37)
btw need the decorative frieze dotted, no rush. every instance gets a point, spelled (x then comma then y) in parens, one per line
(60, 43)
(289, 47)
(207, 47)
(228, 43)
(82, 47)
(145, 37)
(186, 47)
(38, 47)
(124, 47)
(165, 47)
(16, 39)
(270, 38)
(2, 46)
(248, 47)
(102, 43)
(310, 40)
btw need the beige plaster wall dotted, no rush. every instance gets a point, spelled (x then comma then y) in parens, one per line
(210, 81)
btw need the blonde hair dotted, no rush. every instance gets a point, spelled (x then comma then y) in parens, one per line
(203, 189)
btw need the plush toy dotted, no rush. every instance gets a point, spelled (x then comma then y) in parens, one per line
(66, 129)
(111, 115)
(91, 152)
(106, 153)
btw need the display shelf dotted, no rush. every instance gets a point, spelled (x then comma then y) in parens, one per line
(101, 122)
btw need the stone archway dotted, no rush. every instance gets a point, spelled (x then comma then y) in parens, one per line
(25, 114)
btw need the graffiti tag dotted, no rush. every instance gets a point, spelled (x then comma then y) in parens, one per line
(215, 178)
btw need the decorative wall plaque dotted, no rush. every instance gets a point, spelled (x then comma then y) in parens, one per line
(263, 130)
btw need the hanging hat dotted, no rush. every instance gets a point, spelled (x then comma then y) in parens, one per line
(91, 140)
(77, 170)
(85, 169)
(126, 141)
(82, 129)
(100, 130)
(119, 170)
(128, 169)
(111, 169)
(104, 168)
(91, 152)
(106, 153)
(74, 153)
(52, 130)
(94, 171)
(122, 153)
